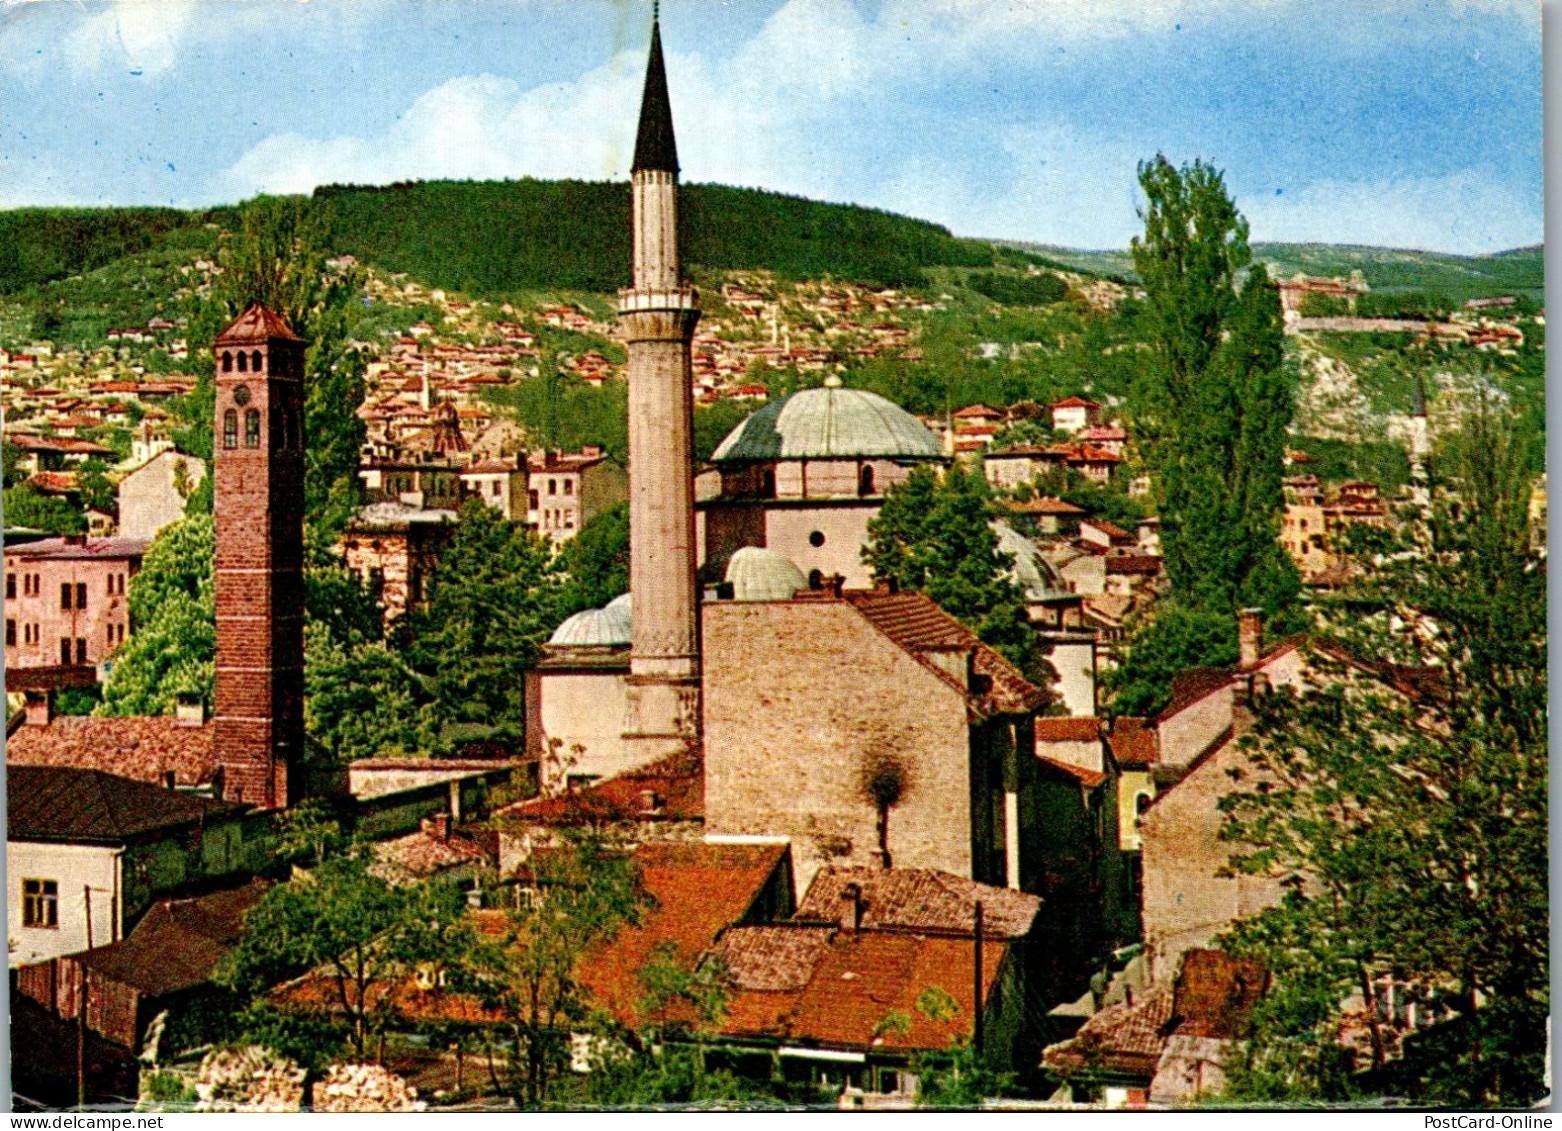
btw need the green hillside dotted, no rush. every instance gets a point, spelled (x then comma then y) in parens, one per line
(1455, 278)
(499, 237)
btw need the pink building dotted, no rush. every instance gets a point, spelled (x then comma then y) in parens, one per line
(65, 602)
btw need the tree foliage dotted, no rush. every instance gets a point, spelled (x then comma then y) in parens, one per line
(360, 936)
(596, 561)
(587, 889)
(933, 535)
(491, 601)
(1406, 808)
(1212, 407)
(25, 505)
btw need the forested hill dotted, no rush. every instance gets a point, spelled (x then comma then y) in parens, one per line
(493, 238)
(499, 236)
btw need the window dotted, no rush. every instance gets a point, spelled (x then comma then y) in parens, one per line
(252, 428)
(496, 489)
(254, 361)
(536, 500)
(65, 596)
(227, 362)
(230, 429)
(10, 633)
(816, 539)
(243, 362)
(553, 486)
(65, 651)
(569, 486)
(81, 649)
(10, 587)
(40, 903)
(865, 482)
(81, 595)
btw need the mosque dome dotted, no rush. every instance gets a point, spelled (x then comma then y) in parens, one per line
(763, 575)
(829, 422)
(1030, 571)
(607, 626)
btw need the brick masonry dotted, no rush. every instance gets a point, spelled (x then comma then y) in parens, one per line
(259, 489)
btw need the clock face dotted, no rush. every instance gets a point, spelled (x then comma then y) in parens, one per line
(241, 396)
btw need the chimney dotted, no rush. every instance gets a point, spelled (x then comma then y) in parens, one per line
(40, 708)
(835, 586)
(189, 709)
(851, 908)
(1249, 633)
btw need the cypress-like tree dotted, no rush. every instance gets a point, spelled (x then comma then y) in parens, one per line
(1212, 406)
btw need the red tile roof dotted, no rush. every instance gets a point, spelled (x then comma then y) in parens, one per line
(1074, 402)
(57, 549)
(1068, 729)
(1122, 1038)
(55, 482)
(1110, 529)
(1133, 742)
(425, 853)
(257, 324)
(143, 749)
(51, 803)
(919, 626)
(700, 889)
(857, 983)
(178, 943)
(1215, 994)
(1087, 778)
(921, 899)
(1134, 563)
(674, 787)
(1043, 506)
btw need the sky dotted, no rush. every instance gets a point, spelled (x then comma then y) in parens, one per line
(1399, 123)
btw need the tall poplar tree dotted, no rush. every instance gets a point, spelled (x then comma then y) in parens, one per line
(1213, 404)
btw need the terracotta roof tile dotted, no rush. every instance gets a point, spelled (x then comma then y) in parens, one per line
(921, 899)
(918, 625)
(1121, 1038)
(257, 324)
(1134, 743)
(674, 786)
(771, 959)
(1215, 994)
(1068, 729)
(425, 853)
(142, 749)
(54, 804)
(1074, 402)
(1087, 778)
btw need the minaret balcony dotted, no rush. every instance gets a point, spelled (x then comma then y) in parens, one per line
(634, 299)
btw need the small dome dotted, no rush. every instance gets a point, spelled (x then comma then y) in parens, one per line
(829, 422)
(1030, 571)
(763, 575)
(607, 626)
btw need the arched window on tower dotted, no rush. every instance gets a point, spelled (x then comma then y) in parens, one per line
(243, 362)
(254, 361)
(227, 362)
(252, 428)
(865, 480)
(230, 429)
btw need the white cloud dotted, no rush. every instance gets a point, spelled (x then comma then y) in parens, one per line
(139, 35)
(1469, 211)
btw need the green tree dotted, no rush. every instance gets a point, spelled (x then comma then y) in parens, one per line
(172, 647)
(359, 935)
(596, 561)
(25, 505)
(1213, 403)
(13, 461)
(587, 890)
(362, 700)
(1406, 808)
(491, 598)
(1171, 639)
(933, 535)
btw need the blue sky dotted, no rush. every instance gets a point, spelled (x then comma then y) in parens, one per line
(1408, 123)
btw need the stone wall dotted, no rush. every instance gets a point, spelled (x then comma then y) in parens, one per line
(800, 698)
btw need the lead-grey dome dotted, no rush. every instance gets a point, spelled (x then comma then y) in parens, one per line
(763, 575)
(829, 422)
(609, 625)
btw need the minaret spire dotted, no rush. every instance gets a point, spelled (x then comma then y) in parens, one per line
(657, 315)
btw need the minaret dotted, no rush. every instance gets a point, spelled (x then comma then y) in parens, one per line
(657, 315)
(259, 502)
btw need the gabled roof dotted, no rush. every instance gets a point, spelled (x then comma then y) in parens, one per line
(1122, 1039)
(1133, 743)
(917, 624)
(1074, 402)
(49, 803)
(257, 324)
(178, 943)
(655, 146)
(1065, 729)
(1089, 779)
(674, 785)
(59, 549)
(141, 749)
(921, 899)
